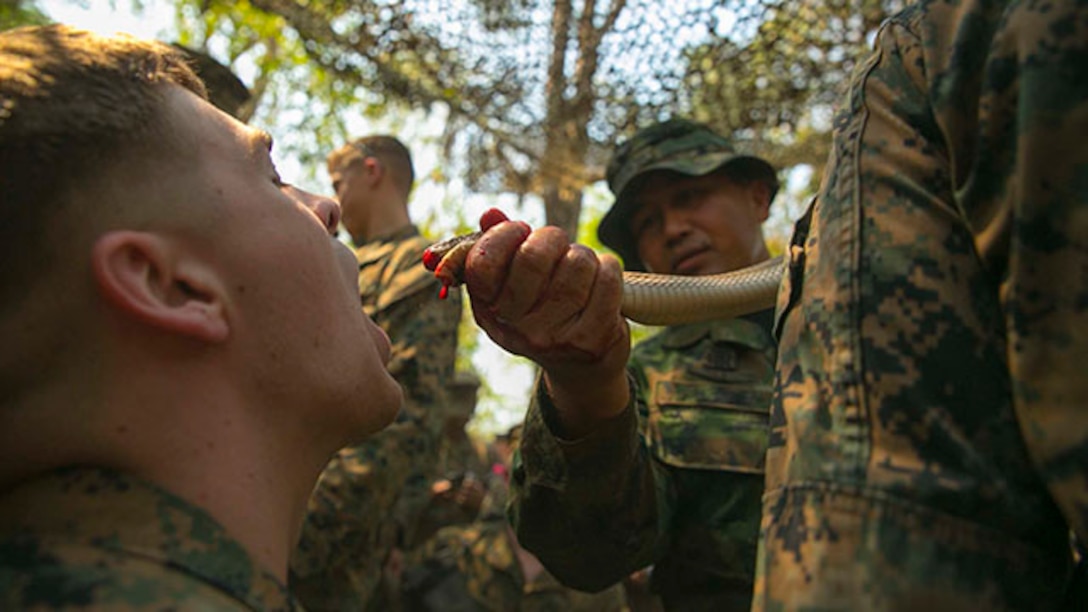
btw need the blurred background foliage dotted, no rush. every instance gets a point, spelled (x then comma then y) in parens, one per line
(521, 101)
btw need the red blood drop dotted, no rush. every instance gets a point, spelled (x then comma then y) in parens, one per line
(430, 260)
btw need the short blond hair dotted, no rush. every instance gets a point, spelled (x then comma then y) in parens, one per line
(387, 149)
(72, 104)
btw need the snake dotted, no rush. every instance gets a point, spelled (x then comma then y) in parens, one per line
(649, 298)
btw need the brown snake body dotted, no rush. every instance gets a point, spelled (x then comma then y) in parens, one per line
(652, 299)
(666, 299)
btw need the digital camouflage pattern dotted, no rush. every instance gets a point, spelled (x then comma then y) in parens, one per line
(461, 458)
(929, 437)
(355, 519)
(475, 568)
(401, 295)
(83, 538)
(463, 461)
(370, 495)
(678, 486)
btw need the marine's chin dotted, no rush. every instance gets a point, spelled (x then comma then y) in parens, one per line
(390, 409)
(379, 410)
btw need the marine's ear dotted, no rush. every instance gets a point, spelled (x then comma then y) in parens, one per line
(374, 170)
(150, 279)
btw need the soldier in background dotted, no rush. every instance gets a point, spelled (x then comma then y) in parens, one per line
(929, 442)
(371, 495)
(656, 459)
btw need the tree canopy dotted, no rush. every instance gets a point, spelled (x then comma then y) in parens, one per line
(537, 92)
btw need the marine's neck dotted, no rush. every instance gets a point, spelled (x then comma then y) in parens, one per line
(227, 458)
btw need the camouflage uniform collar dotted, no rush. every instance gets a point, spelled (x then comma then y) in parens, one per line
(753, 332)
(380, 247)
(402, 233)
(111, 511)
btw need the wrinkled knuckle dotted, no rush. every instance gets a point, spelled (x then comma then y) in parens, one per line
(542, 340)
(553, 233)
(582, 258)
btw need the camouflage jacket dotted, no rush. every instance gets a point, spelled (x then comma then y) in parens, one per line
(84, 538)
(476, 567)
(370, 496)
(675, 481)
(928, 431)
(401, 295)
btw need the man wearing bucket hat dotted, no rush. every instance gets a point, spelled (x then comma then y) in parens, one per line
(675, 479)
(681, 157)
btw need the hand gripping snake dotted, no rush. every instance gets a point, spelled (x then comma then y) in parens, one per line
(650, 299)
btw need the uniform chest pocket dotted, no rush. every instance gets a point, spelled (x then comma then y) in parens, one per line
(710, 425)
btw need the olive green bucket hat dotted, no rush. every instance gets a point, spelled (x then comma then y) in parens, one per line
(678, 145)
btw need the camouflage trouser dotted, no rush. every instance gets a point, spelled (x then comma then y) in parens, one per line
(929, 431)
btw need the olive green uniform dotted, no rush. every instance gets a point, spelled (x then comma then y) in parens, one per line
(674, 481)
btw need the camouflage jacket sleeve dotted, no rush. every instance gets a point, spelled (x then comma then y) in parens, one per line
(581, 506)
(929, 378)
(1032, 156)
